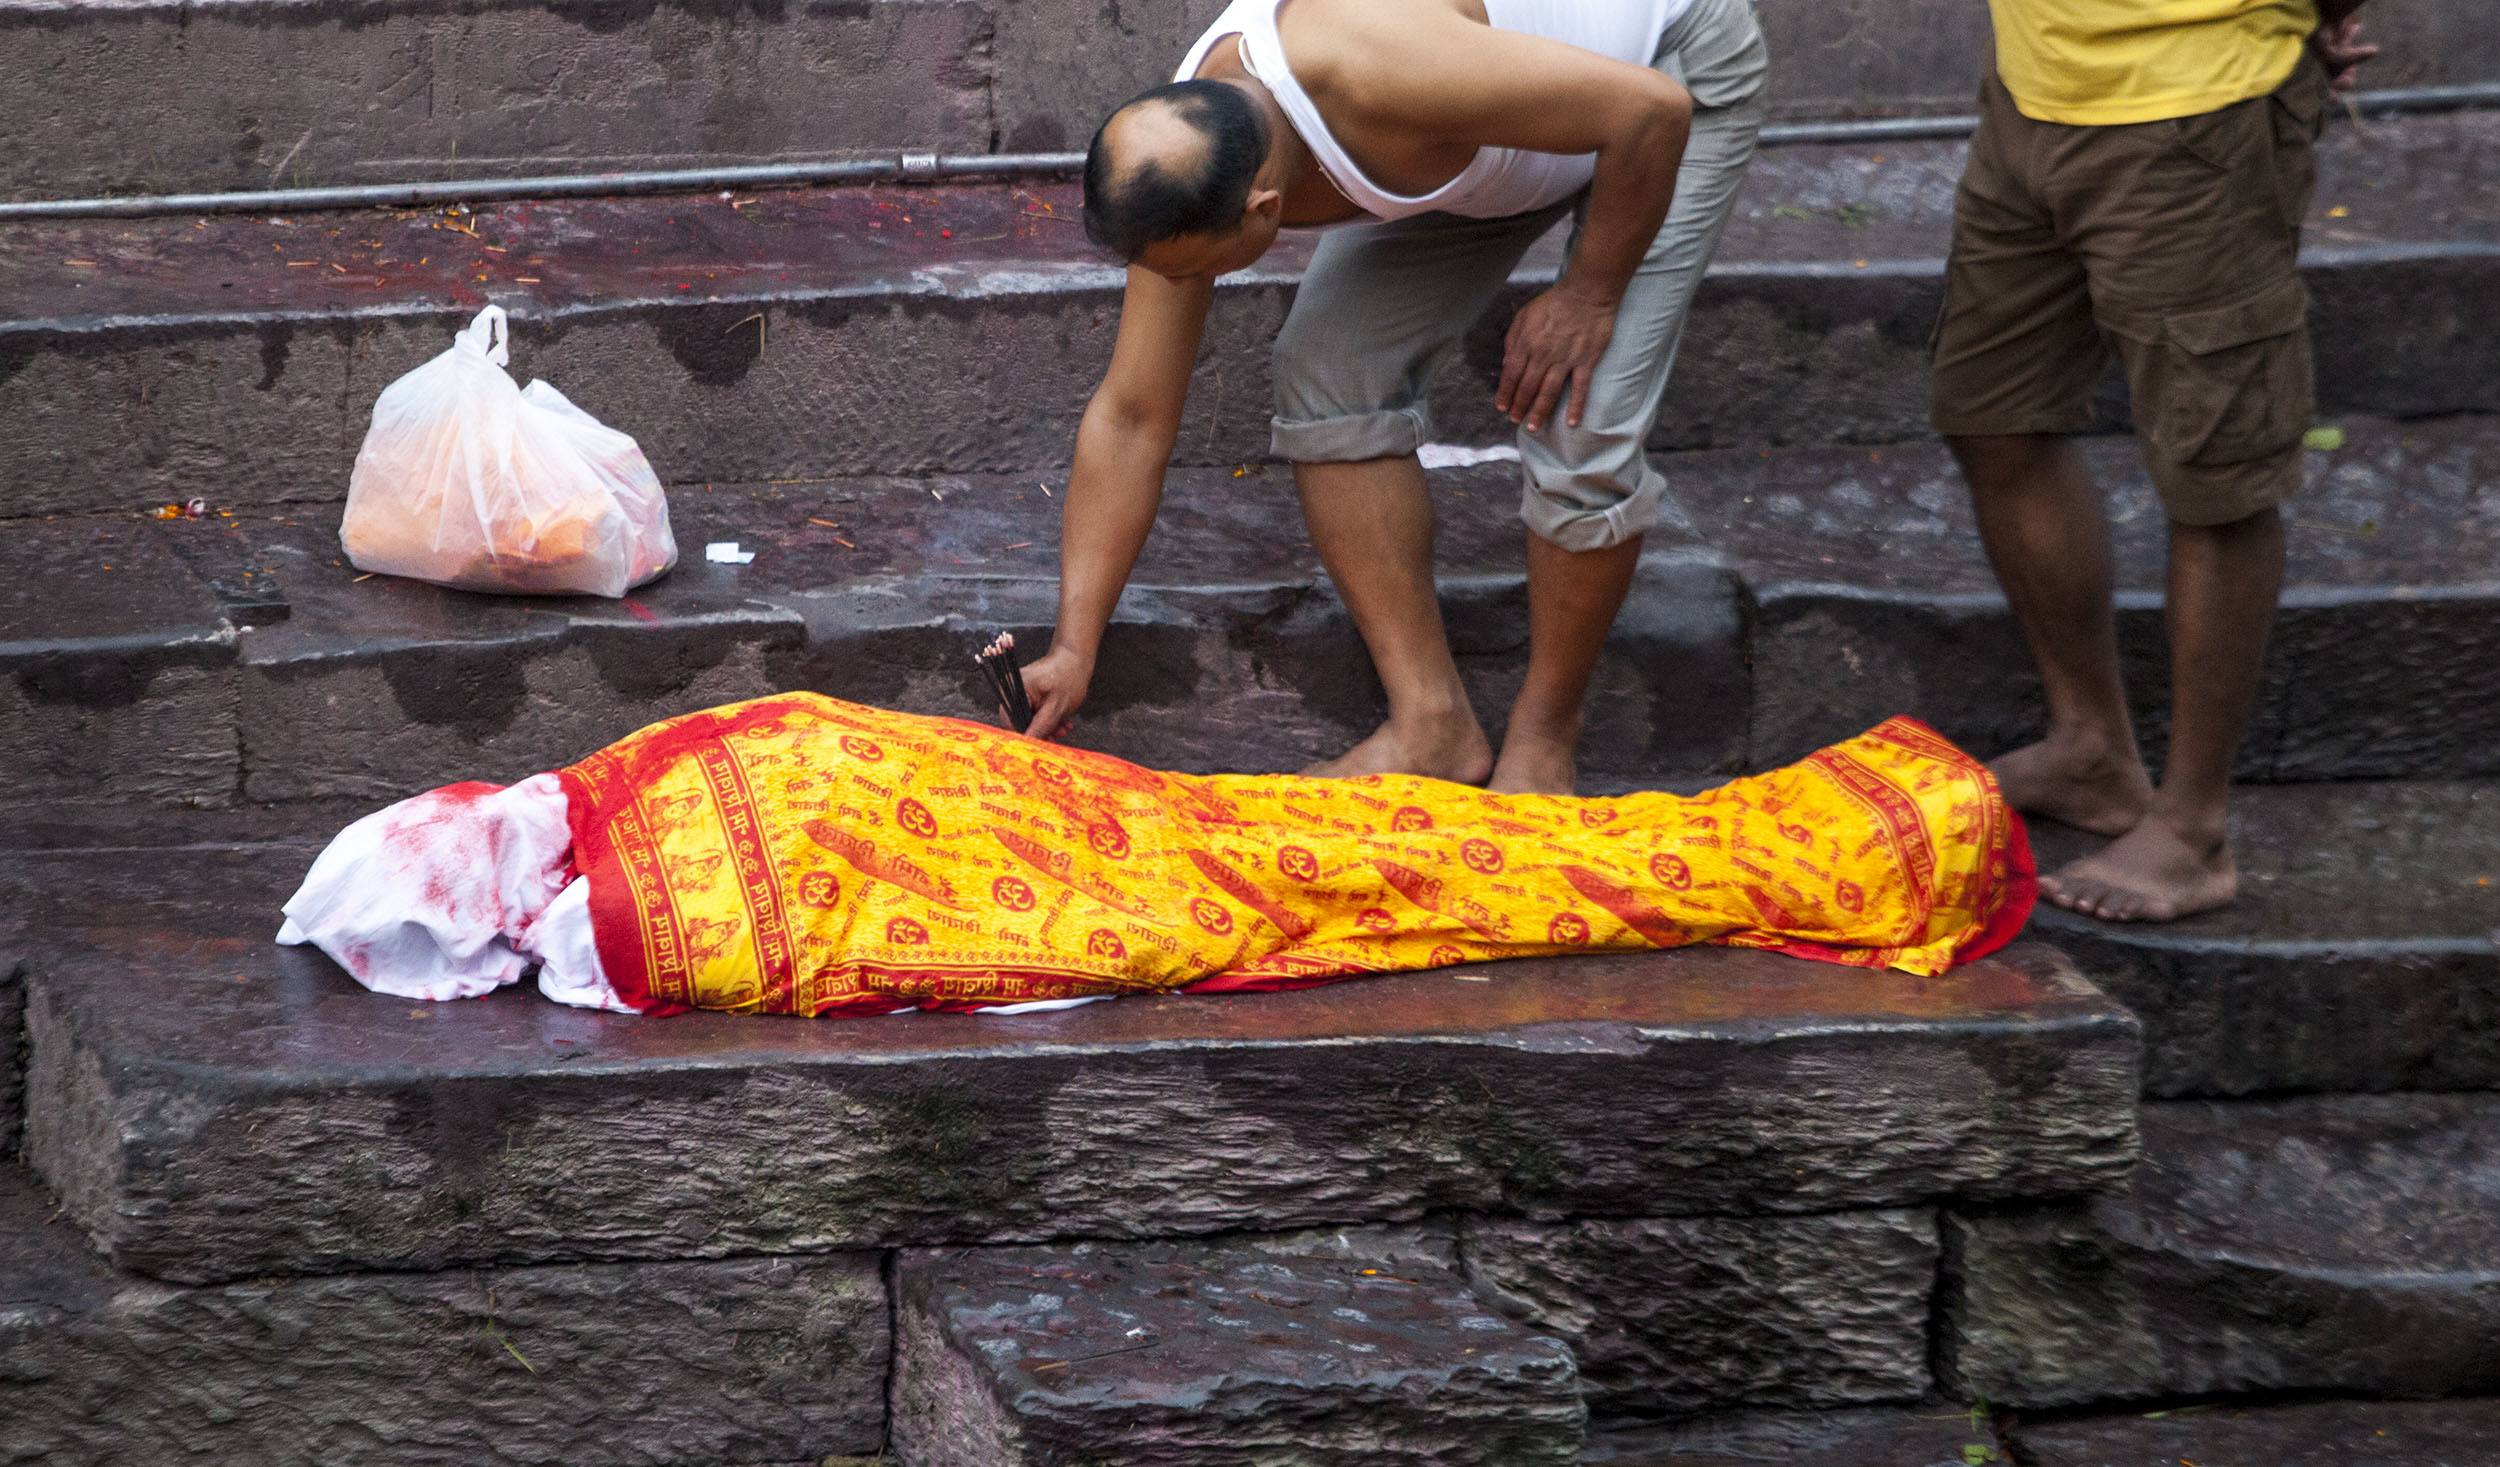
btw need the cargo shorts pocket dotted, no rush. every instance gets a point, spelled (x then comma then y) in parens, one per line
(2228, 384)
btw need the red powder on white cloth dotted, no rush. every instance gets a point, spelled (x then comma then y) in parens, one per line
(455, 893)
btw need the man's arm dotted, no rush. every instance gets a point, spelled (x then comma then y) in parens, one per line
(1123, 448)
(1463, 82)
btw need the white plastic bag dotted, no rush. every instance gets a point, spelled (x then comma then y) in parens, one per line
(468, 481)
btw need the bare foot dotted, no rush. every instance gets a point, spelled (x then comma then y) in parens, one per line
(2156, 872)
(1532, 764)
(2091, 786)
(1452, 748)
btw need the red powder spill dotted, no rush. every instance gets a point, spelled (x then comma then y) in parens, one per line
(640, 610)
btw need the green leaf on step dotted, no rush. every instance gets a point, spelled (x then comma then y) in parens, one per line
(1976, 1455)
(1791, 211)
(2323, 439)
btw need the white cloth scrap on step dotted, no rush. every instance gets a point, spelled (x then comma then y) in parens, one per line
(455, 893)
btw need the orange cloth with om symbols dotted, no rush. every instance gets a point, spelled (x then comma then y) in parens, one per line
(798, 855)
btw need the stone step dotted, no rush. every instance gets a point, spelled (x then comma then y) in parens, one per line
(2363, 955)
(1679, 1316)
(1916, 1436)
(256, 94)
(1791, 599)
(2308, 1434)
(212, 1107)
(749, 1360)
(1217, 1355)
(2344, 1244)
(955, 329)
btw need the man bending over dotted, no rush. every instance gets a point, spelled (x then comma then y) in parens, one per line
(1452, 134)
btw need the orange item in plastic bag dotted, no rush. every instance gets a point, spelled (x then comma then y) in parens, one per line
(468, 481)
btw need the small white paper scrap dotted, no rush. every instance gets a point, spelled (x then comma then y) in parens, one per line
(726, 552)
(1459, 456)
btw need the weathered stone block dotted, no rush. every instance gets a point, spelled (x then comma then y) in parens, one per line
(2329, 1244)
(752, 1359)
(1216, 1355)
(160, 98)
(2316, 1434)
(962, 329)
(1914, 1437)
(2363, 953)
(1870, 594)
(12, 1053)
(116, 673)
(292, 1122)
(376, 689)
(1679, 1316)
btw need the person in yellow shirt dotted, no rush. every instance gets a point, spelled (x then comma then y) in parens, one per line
(2136, 188)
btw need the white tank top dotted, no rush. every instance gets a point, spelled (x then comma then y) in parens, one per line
(1497, 181)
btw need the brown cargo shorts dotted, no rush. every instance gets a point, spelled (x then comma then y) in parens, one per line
(2173, 244)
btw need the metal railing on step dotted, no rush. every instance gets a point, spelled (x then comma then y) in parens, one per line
(940, 168)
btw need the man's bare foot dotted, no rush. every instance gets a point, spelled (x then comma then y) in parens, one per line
(1452, 748)
(2097, 787)
(2156, 872)
(1533, 764)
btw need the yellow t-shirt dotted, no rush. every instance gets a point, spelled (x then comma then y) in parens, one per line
(2097, 63)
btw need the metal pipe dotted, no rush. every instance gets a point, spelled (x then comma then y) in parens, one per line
(939, 168)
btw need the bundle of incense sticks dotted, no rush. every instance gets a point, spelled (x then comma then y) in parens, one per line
(998, 659)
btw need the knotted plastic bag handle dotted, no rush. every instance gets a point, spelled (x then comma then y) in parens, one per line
(488, 337)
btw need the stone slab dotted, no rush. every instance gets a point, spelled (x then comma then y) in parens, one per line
(1216, 1355)
(1789, 600)
(375, 687)
(211, 1106)
(1681, 1316)
(1932, 1436)
(2363, 954)
(962, 329)
(12, 1055)
(2309, 1434)
(167, 98)
(283, 93)
(749, 1360)
(116, 673)
(1869, 590)
(2339, 1244)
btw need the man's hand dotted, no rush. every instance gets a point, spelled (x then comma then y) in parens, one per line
(1057, 685)
(2340, 49)
(1554, 343)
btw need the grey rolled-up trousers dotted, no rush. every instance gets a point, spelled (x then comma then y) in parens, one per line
(1384, 306)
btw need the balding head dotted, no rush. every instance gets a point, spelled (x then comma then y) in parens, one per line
(1178, 160)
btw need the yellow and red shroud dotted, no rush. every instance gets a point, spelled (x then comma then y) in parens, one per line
(799, 855)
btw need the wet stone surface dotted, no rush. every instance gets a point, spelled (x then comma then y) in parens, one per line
(962, 329)
(1913, 1436)
(753, 1359)
(1175, 1355)
(212, 1106)
(2345, 1243)
(1790, 600)
(12, 1052)
(1870, 591)
(115, 672)
(2363, 953)
(1679, 1316)
(2318, 1434)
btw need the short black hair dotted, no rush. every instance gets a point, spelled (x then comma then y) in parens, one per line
(1152, 202)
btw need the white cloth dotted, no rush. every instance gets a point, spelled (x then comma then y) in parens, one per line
(1497, 182)
(455, 893)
